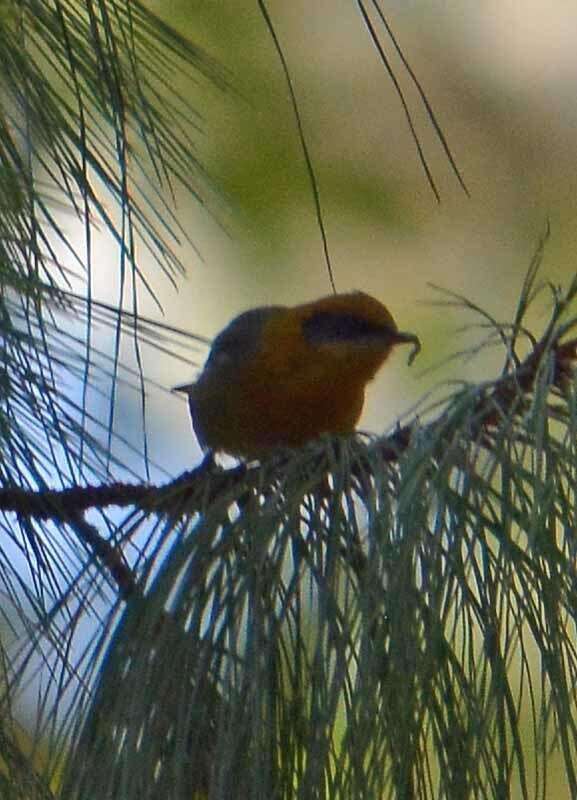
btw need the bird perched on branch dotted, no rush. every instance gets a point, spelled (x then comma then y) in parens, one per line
(280, 376)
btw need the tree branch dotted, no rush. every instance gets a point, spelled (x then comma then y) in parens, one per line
(192, 491)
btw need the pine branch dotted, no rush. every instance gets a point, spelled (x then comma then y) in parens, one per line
(196, 489)
(352, 612)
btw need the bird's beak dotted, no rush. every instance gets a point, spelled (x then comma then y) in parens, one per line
(401, 337)
(184, 388)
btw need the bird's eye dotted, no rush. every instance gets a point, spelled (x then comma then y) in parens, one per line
(328, 327)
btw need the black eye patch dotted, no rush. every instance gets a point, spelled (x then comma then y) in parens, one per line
(328, 326)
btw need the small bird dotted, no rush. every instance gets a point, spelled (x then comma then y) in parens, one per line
(280, 376)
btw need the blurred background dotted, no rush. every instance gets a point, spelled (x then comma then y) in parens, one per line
(500, 77)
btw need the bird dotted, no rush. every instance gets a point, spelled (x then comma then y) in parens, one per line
(280, 376)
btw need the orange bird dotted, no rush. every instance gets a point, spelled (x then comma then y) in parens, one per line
(280, 376)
